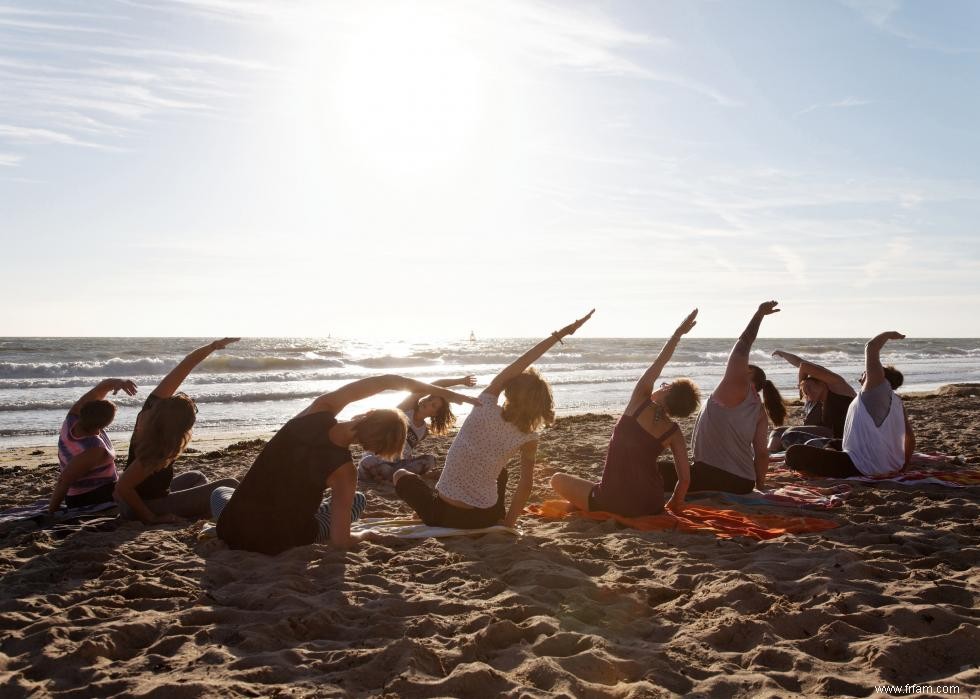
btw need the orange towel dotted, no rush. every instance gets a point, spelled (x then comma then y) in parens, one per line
(722, 523)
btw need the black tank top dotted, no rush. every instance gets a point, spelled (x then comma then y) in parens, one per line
(157, 484)
(835, 412)
(272, 510)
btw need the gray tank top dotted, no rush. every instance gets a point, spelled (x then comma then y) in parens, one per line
(723, 436)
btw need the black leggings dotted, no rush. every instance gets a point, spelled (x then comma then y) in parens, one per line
(815, 461)
(93, 497)
(707, 477)
(436, 512)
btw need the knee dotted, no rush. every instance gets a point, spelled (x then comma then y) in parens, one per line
(793, 455)
(227, 483)
(557, 480)
(399, 474)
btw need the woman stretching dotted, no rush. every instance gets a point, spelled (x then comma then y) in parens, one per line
(417, 408)
(148, 490)
(632, 484)
(730, 451)
(471, 491)
(85, 454)
(280, 502)
(878, 439)
(826, 397)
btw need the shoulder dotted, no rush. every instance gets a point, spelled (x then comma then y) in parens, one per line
(488, 400)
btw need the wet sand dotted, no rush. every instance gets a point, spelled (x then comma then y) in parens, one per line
(574, 608)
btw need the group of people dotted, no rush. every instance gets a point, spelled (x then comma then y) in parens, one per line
(280, 501)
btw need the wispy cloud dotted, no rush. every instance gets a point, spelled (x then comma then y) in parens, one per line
(846, 103)
(10, 160)
(884, 15)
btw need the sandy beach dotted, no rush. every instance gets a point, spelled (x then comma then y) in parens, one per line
(571, 608)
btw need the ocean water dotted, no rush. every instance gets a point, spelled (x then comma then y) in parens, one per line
(257, 384)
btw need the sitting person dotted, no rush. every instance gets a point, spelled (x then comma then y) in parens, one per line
(86, 457)
(417, 408)
(878, 439)
(730, 451)
(280, 505)
(148, 490)
(826, 398)
(470, 493)
(632, 484)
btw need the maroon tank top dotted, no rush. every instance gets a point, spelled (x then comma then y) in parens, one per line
(631, 483)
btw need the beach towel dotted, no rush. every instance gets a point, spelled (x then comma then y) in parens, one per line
(799, 497)
(414, 529)
(955, 474)
(724, 524)
(399, 528)
(38, 511)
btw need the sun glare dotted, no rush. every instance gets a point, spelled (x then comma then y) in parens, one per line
(408, 93)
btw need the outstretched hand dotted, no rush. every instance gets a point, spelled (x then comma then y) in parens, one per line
(124, 385)
(469, 380)
(572, 327)
(768, 308)
(461, 398)
(224, 342)
(688, 323)
(892, 335)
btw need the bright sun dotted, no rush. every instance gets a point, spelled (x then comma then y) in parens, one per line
(409, 93)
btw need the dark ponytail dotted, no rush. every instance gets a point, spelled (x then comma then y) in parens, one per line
(775, 407)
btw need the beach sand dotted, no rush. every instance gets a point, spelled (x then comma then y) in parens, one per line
(571, 608)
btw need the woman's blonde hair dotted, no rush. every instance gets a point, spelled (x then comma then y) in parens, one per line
(443, 420)
(165, 431)
(528, 403)
(382, 432)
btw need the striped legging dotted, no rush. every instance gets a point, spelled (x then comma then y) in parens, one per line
(221, 496)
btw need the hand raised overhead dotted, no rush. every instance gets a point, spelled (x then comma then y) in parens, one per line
(687, 324)
(768, 308)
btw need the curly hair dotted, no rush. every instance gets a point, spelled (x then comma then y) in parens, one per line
(382, 432)
(683, 398)
(528, 403)
(165, 431)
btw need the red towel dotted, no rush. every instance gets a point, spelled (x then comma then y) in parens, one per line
(722, 523)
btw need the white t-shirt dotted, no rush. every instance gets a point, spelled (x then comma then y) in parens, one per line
(876, 450)
(479, 453)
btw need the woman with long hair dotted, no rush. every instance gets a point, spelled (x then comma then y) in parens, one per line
(148, 490)
(426, 415)
(730, 450)
(470, 493)
(280, 505)
(86, 457)
(632, 484)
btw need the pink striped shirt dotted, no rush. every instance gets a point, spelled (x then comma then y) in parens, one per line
(70, 446)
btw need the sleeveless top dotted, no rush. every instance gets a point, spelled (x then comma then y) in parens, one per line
(157, 484)
(70, 446)
(272, 510)
(631, 483)
(723, 436)
(876, 450)
(479, 453)
(829, 413)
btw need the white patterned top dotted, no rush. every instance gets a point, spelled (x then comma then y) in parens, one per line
(479, 453)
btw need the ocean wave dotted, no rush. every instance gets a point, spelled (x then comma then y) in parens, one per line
(155, 366)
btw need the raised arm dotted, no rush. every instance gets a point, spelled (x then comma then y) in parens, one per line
(533, 355)
(644, 387)
(172, 381)
(735, 382)
(335, 401)
(874, 373)
(103, 389)
(413, 398)
(835, 382)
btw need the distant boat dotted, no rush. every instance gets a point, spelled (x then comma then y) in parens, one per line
(472, 336)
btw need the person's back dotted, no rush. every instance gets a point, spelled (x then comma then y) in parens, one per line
(723, 435)
(479, 453)
(874, 431)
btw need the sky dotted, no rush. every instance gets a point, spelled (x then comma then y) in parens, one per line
(424, 169)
